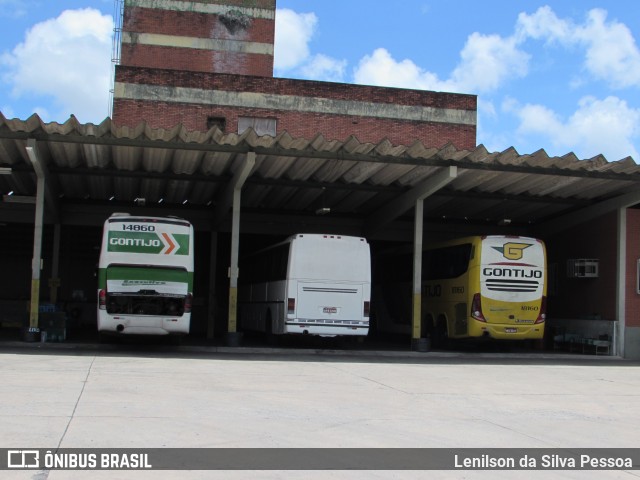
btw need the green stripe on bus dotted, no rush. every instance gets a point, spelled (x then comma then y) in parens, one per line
(183, 244)
(147, 242)
(158, 274)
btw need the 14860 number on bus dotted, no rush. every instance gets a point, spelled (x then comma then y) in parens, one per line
(137, 227)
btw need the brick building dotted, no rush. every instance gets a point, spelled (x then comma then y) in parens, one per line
(230, 36)
(209, 63)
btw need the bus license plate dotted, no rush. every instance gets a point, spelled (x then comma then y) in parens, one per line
(511, 330)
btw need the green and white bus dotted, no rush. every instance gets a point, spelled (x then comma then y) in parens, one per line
(145, 276)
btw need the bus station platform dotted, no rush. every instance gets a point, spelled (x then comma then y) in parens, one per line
(74, 395)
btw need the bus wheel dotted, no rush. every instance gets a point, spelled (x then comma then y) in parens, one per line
(441, 335)
(427, 329)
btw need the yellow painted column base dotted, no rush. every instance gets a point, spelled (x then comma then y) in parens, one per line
(417, 313)
(233, 310)
(35, 303)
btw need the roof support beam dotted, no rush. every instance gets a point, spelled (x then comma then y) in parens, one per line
(400, 205)
(42, 173)
(233, 188)
(589, 213)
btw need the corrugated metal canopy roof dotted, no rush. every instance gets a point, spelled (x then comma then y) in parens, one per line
(108, 164)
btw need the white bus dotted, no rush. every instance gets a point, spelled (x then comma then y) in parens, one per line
(145, 276)
(309, 284)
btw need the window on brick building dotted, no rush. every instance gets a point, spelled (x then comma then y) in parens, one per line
(262, 126)
(216, 122)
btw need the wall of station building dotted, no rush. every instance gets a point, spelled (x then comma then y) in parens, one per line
(590, 303)
(632, 280)
(586, 298)
(77, 267)
(182, 63)
(304, 109)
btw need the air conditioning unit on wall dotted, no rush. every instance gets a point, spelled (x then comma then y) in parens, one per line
(582, 268)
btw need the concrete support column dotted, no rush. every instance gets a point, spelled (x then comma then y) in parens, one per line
(233, 269)
(33, 332)
(416, 321)
(213, 265)
(36, 261)
(54, 281)
(237, 182)
(621, 285)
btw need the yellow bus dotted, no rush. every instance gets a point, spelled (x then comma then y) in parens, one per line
(485, 286)
(480, 286)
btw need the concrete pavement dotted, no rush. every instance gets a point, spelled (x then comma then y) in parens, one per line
(91, 396)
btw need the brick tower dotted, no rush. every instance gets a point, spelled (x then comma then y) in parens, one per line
(208, 64)
(210, 36)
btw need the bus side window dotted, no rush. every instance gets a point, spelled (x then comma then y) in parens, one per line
(267, 266)
(280, 256)
(448, 262)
